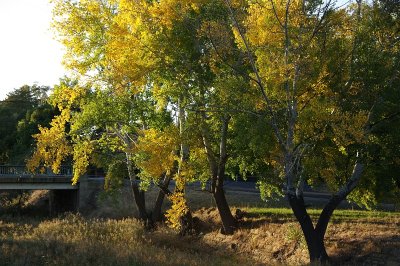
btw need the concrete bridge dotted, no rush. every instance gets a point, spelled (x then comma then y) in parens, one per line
(63, 195)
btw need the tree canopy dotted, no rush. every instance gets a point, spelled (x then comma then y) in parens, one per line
(293, 92)
(20, 114)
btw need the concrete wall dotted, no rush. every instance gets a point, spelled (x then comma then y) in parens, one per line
(89, 189)
(82, 199)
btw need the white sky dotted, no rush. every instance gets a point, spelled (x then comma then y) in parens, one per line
(28, 52)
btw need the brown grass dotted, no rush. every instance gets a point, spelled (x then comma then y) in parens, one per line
(107, 236)
(268, 240)
(74, 240)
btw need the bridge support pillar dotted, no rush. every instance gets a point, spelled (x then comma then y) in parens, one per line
(83, 193)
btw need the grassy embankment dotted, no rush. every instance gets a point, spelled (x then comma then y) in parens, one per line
(267, 236)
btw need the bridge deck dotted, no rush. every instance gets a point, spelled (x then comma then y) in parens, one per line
(17, 177)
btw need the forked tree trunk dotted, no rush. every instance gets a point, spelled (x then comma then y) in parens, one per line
(157, 210)
(140, 201)
(314, 236)
(229, 223)
(138, 195)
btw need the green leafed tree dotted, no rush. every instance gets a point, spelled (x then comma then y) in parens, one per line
(106, 113)
(20, 114)
(325, 84)
(123, 49)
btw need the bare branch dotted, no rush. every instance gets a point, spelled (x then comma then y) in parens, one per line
(352, 182)
(394, 115)
(217, 109)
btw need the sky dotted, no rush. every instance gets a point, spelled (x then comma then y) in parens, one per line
(29, 54)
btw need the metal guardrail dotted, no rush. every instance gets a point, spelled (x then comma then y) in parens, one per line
(21, 170)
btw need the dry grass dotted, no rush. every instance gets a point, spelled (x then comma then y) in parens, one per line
(267, 236)
(277, 239)
(74, 240)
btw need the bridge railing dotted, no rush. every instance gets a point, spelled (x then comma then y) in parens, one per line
(21, 170)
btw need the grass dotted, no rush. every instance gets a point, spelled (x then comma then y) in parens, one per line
(268, 235)
(74, 240)
(339, 215)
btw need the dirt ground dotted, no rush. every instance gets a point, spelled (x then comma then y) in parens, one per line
(264, 239)
(272, 241)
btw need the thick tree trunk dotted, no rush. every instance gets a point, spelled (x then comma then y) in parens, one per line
(138, 195)
(157, 213)
(217, 168)
(187, 225)
(314, 238)
(140, 202)
(229, 223)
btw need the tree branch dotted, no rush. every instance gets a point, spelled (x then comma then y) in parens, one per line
(274, 123)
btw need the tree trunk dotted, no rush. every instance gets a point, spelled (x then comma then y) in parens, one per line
(315, 236)
(314, 239)
(140, 202)
(157, 210)
(217, 168)
(157, 213)
(138, 195)
(229, 223)
(187, 225)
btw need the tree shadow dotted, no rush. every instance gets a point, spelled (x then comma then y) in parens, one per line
(57, 252)
(366, 251)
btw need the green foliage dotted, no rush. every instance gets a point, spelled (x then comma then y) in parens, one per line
(116, 172)
(21, 113)
(158, 82)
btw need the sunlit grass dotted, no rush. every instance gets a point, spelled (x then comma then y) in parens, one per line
(74, 240)
(268, 233)
(338, 215)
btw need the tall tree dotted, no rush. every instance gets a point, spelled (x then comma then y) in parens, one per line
(20, 114)
(307, 66)
(111, 105)
(209, 96)
(165, 47)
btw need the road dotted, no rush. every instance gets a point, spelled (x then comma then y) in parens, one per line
(311, 197)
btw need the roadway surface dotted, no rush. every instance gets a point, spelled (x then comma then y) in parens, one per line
(312, 198)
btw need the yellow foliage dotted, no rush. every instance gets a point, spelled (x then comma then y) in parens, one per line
(166, 12)
(81, 153)
(65, 96)
(158, 150)
(52, 145)
(79, 25)
(179, 206)
(178, 209)
(157, 155)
